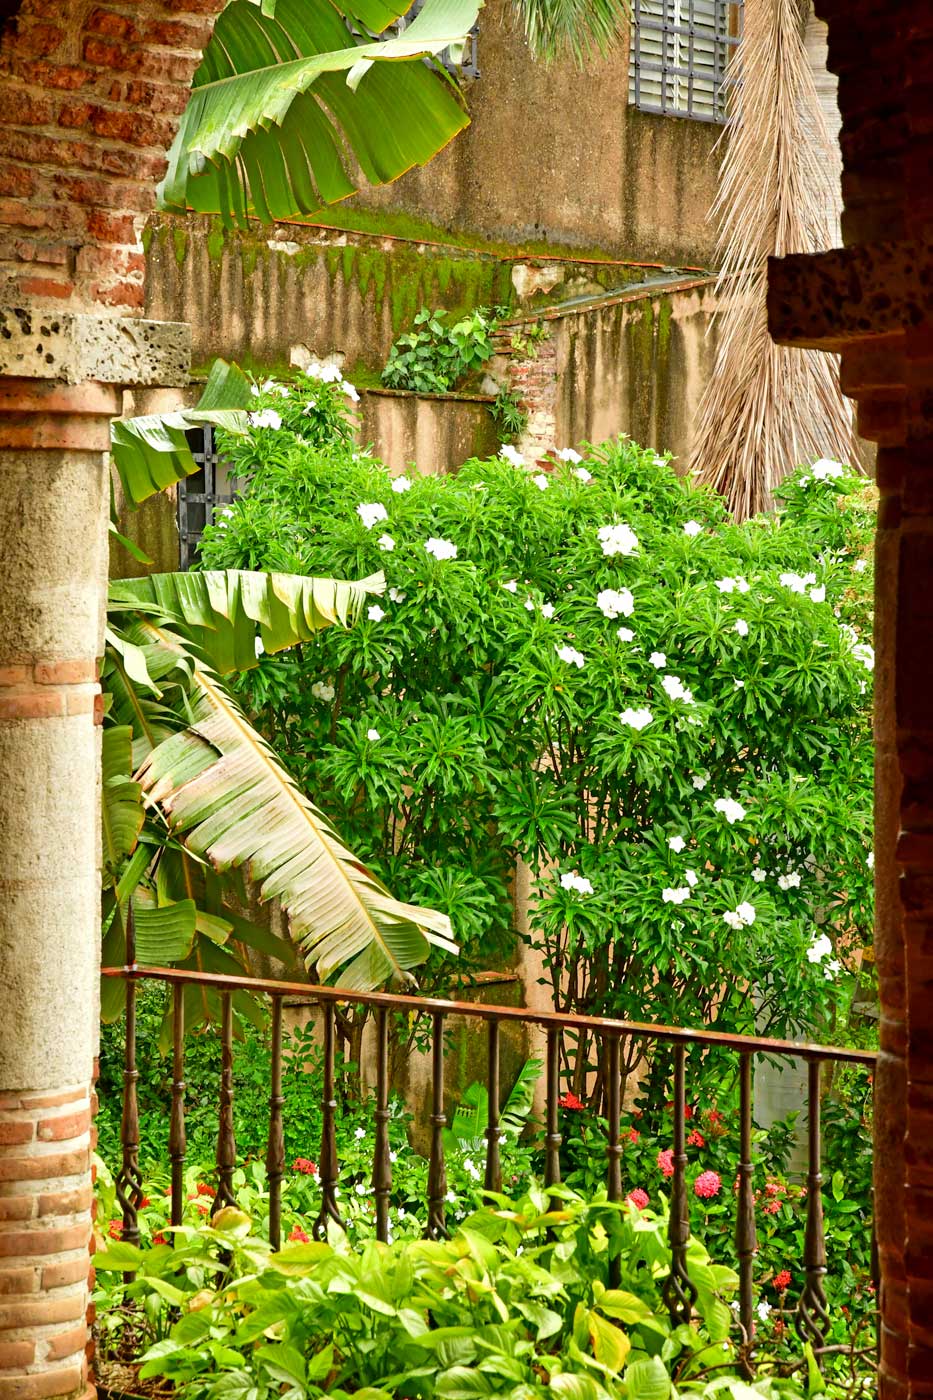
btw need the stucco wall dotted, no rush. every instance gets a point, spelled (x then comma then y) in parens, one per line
(555, 152)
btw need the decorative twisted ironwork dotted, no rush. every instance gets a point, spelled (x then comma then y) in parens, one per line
(437, 1170)
(493, 1177)
(176, 1133)
(129, 1182)
(226, 1136)
(678, 1290)
(812, 1313)
(275, 1151)
(328, 1167)
(382, 1159)
(746, 1237)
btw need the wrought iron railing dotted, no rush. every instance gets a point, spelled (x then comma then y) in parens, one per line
(679, 1293)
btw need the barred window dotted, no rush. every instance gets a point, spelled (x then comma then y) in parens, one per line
(202, 494)
(681, 55)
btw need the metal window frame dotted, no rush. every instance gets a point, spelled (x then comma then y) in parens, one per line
(670, 25)
(204, 451)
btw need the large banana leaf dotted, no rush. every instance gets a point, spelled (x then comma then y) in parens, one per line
(151, 453)
(226, 795)
(279, 100)
(221, 610)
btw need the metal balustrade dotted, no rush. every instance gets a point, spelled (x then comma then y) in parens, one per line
(678, 1291)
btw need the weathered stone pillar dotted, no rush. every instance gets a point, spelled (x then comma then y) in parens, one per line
(54, 502)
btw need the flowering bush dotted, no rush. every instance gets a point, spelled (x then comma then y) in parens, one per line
(691, 786)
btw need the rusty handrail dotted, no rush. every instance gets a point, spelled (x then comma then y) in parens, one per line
(673, 1035)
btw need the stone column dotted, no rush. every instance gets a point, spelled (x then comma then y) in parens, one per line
(54, 502)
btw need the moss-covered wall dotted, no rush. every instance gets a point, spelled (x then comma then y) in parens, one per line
(639, 367)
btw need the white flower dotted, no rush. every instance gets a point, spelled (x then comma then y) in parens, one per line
(732, 811)
(740, 917)
(529, 604)
(567, 880)
(451, 1198)
(327, 374)
(351, 391)
(826, 468)
(582, 474)
(677, 896)
(511, 585)
(676, 689)
(726, 585)
(790, 881)
(742, 585)
(860, 566)
(636, 719)
(582, 885)
(733, 920)
(659, 461)
(759, 875)
(370, 512)
(265, 418)
(832, 969)
(820, 947)
(741, 626)
(571, 656)
(359, 1134)
(693, 528)
(794, 582)
(260, 648)
(386, 542)
(541, 481)
(373, 736)
(470, 1167)
(691, 877)
(866, 654)
(568, 454)
(870, 860)
(676, 843)
(395, 596)
(657, 658)
(511, 455)
(375, 613)
(818, 595)
(547, 610)
(625, 634)
(738, 685)
(699, 781)
(615, 602)
(441, 549)
(400, 484)
(362, 1188)
(617, 539)
(764, 1310)
(322, 691)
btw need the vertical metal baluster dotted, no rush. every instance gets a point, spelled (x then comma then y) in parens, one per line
(876, 1277)
(493, 1177)
(613, 1139)
(328, 1166)
(553, 1139)
(678, 1292)
(812, 1313)
(382, 1162)
(176, 1132)
(129, 1183)
(437, 1171)
(275, 1152)
(746, 1239)
(226, 1138)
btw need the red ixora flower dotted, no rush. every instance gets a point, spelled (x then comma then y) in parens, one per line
(688, 1109)
(298, 1236)
(632, 1135)
(203, 1190)
(771, 1207)
(159, 1239)
(781, 1280)
(774, 1188)
(305, 1166)
(707, 1184)
(115, 1229)
(666, 1161)
(695, 1138)
(570, 1100)
(638, 1198)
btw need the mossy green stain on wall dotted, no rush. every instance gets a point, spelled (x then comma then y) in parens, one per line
(180, 240)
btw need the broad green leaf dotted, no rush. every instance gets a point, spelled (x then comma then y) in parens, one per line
(648, 1380)
(121, 807)
(279, 102)
(627, 1307)
(610, 1344)
(164, 933)
(119, 1257)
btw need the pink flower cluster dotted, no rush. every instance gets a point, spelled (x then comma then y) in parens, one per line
(707, 1185)
(638, 1198)
(305, 1166)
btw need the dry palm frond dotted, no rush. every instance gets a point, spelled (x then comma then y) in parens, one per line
(767, 408)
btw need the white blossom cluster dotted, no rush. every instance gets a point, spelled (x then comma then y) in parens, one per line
(441, 549)
(371, 512)
(615, 602)
(617, 539)
(571, 656)
(572, 881)
(322, 691)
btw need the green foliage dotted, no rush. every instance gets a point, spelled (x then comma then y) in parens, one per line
(664, 714)
(289, 109)
(509, 416)
(517, 1302)
(440, 351)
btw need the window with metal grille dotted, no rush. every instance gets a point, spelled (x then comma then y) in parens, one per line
(202, 494)
(463, 64)
(681, 56)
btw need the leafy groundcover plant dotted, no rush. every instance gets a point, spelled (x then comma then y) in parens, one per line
(518, 1303)
(584, 665)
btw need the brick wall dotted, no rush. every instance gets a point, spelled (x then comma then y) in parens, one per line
(90, 97)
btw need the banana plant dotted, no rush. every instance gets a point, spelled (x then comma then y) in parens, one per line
(195, 799)
(296, 102)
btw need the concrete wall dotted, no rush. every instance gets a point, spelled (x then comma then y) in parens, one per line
(436, 433)
(554, 152)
